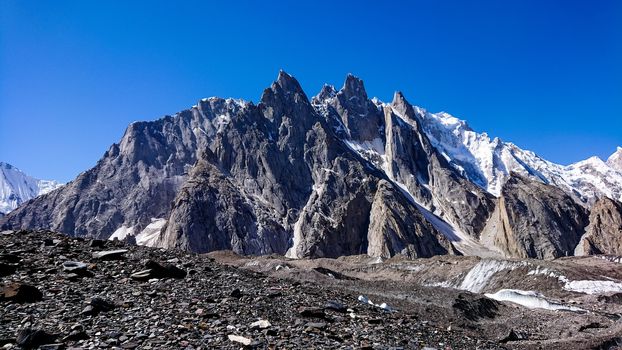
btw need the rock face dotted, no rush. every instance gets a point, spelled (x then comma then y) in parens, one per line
(280, 181)
(534, 220)
(136, 180)
(604, 233)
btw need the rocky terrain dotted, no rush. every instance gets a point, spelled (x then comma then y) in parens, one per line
(61, 292)
(335, 175)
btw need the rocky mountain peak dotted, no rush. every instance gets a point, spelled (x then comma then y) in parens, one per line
(288, 83)
(401, 105)
(327, 92)
(353, 87)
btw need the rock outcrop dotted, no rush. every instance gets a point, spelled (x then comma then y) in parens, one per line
(604, 233)
(534, 220)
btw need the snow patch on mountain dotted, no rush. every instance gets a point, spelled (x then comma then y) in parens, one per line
(615, 160)
(16, 187)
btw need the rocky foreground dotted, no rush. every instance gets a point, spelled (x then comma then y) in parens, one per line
(71, 293)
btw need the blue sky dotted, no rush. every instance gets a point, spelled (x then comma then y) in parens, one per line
(546, 75)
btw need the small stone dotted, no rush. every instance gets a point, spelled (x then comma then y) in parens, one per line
(239, 339)
(98, 305)
(236, 293)
(261, 324)
(310, 326)
(73, 266)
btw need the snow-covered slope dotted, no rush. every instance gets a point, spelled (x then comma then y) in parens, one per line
(17, 187)
(488, 162)
(615, 160)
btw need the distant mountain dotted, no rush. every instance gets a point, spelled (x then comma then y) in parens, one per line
(488, 162)
(339, 174)
(615, 160)
(16, 187)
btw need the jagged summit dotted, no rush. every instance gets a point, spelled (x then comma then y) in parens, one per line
(353, 87)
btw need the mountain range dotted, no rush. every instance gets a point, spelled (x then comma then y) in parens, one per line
(16, 187)
(337, 174)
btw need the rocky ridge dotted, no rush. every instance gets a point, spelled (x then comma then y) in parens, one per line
(340, 174)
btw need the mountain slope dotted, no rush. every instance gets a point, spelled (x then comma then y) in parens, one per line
(488, 163)
(16, 187)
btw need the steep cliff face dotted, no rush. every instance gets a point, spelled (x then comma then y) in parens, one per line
(534, 220)
(604, 233)
(281, 181)
(396, 227)
(393, 141)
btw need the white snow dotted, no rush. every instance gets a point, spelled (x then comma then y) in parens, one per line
(478, 277)
(16, 187)
(365, 300)
(488, 162)
(122, 232)
(147, 237)
(529, 299)
(593, 287)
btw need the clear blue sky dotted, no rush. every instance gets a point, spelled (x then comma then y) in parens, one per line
(546, 75)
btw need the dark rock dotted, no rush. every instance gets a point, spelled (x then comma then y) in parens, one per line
(76, 335)
(7, 269)
(312, 312)
(514, 336)
(475, 308)
(33, 337)
(10, 258)
(20, 293)
(97, 305)
(335, 306)
(97, 243)
(591, 325)
(613, 298)
(79, 269)
(236, 293)
(156, 270)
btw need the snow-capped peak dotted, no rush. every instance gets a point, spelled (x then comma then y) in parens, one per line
(488, 163)
(16, 187)
(615, 160)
